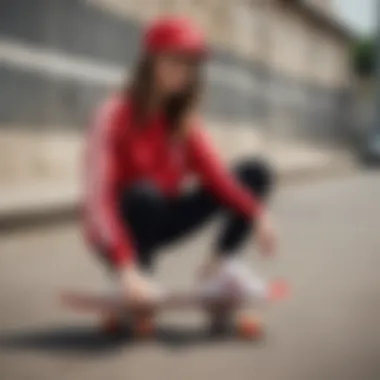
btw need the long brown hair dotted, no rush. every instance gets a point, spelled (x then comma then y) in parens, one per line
(177, 107)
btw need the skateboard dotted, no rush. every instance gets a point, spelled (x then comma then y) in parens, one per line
(221, 310)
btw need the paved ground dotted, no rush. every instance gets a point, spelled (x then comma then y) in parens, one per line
(329, 330)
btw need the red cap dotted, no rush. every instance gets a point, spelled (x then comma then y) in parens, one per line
(175, 34)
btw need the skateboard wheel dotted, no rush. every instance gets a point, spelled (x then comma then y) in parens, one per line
(144, 327)
(111, 325)
(249, 327)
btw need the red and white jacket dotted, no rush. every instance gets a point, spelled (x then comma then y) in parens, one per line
(118, 154)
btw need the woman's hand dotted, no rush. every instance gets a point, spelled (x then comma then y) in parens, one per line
(138, 290)
(265, 234)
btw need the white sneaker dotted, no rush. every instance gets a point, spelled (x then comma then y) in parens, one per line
(233, 279)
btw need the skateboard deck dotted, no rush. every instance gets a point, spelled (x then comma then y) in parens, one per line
(85, 302)
(143, 320)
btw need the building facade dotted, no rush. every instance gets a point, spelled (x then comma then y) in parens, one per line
(277, 66)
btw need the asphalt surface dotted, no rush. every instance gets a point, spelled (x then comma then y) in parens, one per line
(328, 330)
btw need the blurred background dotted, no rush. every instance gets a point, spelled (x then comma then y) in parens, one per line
(293, 80)
(280, 72)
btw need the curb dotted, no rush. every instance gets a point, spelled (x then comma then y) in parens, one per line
(33, 217)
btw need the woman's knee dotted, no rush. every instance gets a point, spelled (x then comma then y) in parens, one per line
(258, 175)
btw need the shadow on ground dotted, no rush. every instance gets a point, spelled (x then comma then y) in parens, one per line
(87, 340)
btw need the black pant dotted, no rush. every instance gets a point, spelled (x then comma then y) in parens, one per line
(156, 220)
